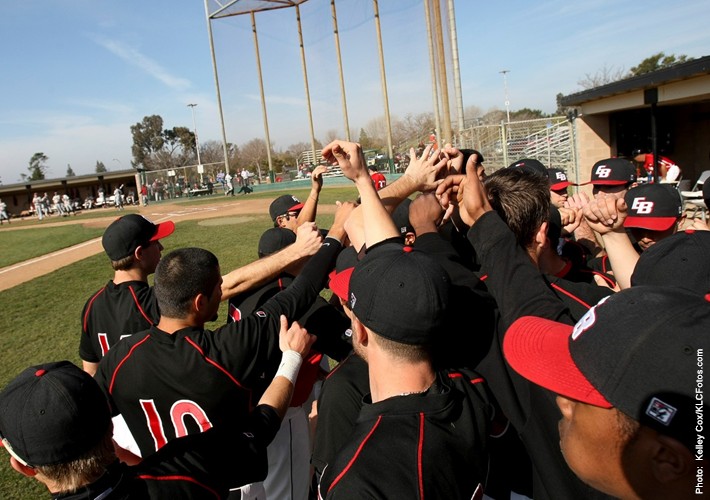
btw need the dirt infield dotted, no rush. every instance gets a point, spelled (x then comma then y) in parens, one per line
(21, 272)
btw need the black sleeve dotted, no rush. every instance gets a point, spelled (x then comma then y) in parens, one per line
(516, 284)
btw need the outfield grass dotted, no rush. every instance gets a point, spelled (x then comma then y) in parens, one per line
(40, 319)
(18, 246)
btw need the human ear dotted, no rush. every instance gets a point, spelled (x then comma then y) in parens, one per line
(671, 460)
(22, 469)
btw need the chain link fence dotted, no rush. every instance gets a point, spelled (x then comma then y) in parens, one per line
(549, 140)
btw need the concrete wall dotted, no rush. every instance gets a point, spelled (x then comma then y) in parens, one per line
(593, 143)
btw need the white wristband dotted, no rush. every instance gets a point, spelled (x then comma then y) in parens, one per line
(290, 364)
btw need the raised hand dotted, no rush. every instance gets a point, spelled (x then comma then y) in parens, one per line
(295, 338)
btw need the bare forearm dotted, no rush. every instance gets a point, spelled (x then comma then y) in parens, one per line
(258, 272)
(622, 256)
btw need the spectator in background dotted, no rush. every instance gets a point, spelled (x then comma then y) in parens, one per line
(228, 184)
(37, 203)
(668, 171)
(144, 195)
(118, 197)
(3, 212)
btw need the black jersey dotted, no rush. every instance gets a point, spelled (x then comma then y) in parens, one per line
(519, 290)
(203, 466)
(171, 385)
(339, 404)
(114, 312)
(430, 445)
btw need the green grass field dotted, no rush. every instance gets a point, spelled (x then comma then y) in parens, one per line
(40, 319)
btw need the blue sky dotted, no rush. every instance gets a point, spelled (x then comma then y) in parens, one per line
(76, 74)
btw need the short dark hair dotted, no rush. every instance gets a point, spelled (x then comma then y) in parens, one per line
(181, 275)
(522, 200)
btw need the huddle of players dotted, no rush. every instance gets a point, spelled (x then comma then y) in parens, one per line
(474, 342)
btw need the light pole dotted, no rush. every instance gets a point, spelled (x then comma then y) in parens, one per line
(505, 88)
(197, 143)
(194, 126)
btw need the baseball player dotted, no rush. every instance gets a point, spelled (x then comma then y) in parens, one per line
(288, 211)
(397, 304)
(558, 186)
(56, 425)
(378, 178)
(628, 390)
(289, 452)
(178, 378)
(126, 304)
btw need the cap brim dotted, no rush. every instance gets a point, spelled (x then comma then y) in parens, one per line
(297, 206)
(164, 229)
(651, 223)
(538, 349)
(339, 283)
(560, 185)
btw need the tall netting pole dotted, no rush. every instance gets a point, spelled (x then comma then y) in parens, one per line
(263, 99)
(383, 78)
(305, 82)
(432, 63)
(443, 85)
(340, 70)
(216, 82)
(455, 63)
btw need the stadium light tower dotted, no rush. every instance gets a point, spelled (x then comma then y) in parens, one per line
(194, 126)
(505, 88)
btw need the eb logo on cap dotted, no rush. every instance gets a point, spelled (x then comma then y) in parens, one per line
(641, 206)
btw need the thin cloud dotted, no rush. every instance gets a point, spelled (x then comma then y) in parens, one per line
(135, 58)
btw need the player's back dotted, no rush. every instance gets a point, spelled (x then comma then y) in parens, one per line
(114, 312)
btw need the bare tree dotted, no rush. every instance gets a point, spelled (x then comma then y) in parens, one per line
(607, 74)
(331, 135)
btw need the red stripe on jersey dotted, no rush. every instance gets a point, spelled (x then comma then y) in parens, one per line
(420, 451)
(219, 367)
(118, 367)
(88, 309)
(178, 478)
(352, 460)
(478, 380)
(574, 297)
(138, 305)
(601, 275)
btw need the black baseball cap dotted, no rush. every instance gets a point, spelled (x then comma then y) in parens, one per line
(530, 165)
(129, 232)
(653, 206)
(681, 260)
(400, 293)
(400, 216)
(275, 239)
(339, 278)
(558, 179)
(612, 172)
(52, 414)
(284, 204)
(621, 355)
